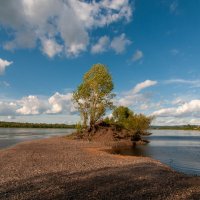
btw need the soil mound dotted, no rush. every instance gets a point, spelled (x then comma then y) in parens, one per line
(103, 132)
(110, 135)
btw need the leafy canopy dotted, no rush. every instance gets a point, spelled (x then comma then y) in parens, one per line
(93, 96)
(136, 123)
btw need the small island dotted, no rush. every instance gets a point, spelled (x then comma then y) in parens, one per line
(93, 99)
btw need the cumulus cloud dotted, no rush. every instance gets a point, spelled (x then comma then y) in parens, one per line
(51, 48)
(188, 109)
(22, 39)
(137, 55)
(134, 97)
(130, 99)
(34, 105)
(31, 105)
(101, 45)
(60, 103)
(120, 43)
(7, 108)
(49, 22)
(3, 65)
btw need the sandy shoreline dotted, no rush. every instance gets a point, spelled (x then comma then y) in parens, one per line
(58, 168)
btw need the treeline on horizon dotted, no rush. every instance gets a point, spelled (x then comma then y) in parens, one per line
(177, 127)
(33, 125)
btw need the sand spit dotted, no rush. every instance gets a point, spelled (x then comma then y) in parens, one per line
(59, 168)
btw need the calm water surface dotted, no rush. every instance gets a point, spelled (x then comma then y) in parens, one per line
(12, 136)
(178, 149)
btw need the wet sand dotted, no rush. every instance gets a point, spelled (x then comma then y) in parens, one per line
(59, 168)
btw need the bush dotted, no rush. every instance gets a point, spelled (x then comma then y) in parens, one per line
(124, 118)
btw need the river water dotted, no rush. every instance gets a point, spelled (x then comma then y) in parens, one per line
(178, 149)
(12, 136)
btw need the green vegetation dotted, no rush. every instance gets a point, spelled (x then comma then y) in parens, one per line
(33, 125)
(93, 96)
(136, 124)
(180, 127)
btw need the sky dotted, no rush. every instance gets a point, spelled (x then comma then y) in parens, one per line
(151, 48)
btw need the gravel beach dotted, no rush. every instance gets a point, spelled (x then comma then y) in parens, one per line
(60, 168)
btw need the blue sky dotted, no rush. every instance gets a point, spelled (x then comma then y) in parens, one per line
(150, 47)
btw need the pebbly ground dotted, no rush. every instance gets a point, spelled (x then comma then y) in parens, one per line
(59, 168)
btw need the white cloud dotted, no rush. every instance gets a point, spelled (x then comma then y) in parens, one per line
(178, 101)
(7, 108)
(11, 117)
(137, 55)
(51, 48)
(120, 43)
(133, 97)
(3, 65)
(58, 118)
(34, 105)
(144, 106)
(188, 109)
(22, 39)
(172, 121)
(101, 45)
(116, 5)
(31, 105)
(69, 21)
(60, 103)
(143, 85)
(130, 99)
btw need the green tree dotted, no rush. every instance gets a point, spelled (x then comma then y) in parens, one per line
(121, 115)
(94, 95)
(136, 124)
(139, 123)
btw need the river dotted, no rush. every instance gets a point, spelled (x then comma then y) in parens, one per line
(12, 136)
(179, 149)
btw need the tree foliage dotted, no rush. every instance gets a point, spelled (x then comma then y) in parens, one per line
(135, 123)
(121, 115)
(93, 96)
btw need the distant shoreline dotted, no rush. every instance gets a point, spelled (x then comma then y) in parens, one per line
(181, 127)
(4, 124)
(34, 125)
